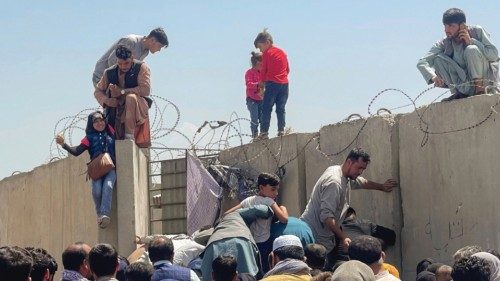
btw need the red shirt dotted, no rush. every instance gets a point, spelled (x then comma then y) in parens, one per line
(252, 79)
(274, 66)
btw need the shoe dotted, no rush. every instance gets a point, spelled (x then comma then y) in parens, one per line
(105, 220)
(478, 87)
(263, 136)
(281, 133)
(255, 137)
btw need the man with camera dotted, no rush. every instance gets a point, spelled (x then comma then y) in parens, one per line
(466, 61)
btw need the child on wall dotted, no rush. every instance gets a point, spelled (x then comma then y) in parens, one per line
(99, 138)
(274, 76)
(261, 228)
(254, 93)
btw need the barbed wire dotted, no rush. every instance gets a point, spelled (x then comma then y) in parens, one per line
(230, 136)
(423, 126)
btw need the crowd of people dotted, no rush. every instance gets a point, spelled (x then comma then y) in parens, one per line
(288, 260)
(258, 240)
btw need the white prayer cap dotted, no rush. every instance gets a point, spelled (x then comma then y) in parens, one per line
(286, 240)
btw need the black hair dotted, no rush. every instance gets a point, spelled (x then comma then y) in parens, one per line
(122, 266)
(224, 268)
(15, 263)
(267, 178)
(161, 248)
(357, 153)
(53, 266)
(366, 249)
(139, 271)
(424, 264)
(315, 255)
(454, 15)
(103, 260)
(262, 37)
(471, 269)
(255, 58)
(74, 256)
(42, 261)
(350, 211)
(289, 252)
(160, 36)
(123, 52)
(434, 267)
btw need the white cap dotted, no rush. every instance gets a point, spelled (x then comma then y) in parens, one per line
(286, 240)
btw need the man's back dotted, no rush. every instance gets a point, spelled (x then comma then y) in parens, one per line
(168, 271)
(132, 41)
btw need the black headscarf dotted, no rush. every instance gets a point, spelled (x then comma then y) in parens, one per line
(90, 122)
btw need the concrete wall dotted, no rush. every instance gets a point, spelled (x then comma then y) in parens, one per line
(450, 186)
(447, 196)
(49, 207)
(132, 195)
(448, 190)
(52, 206)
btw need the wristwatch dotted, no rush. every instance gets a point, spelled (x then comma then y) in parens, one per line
(122, 92)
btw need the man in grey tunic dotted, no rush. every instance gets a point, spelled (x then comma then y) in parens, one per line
(330, 198)
(466, 61)
(232, 236)
(140, 46)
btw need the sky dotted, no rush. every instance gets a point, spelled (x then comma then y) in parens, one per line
(341, 54)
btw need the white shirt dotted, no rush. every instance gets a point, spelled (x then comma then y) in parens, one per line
(260, 228)
(385, 276)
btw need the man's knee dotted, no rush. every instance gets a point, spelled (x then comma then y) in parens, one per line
(472, 51)
(440, 61)
(130, 99)
(440, 65)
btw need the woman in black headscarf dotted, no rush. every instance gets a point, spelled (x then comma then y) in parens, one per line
(99, 138)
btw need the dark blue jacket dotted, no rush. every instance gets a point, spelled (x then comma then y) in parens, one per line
(167, 271)
(100, 142)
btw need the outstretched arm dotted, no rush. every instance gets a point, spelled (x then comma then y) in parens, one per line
(387, 186)
(233, 209)
(73, 150)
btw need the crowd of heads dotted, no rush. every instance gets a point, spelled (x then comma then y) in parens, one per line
(80, 262)
(471, 263)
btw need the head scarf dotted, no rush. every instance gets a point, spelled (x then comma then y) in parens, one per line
(353, 271)
(494, 263)
(90, 122)
(426, 276)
